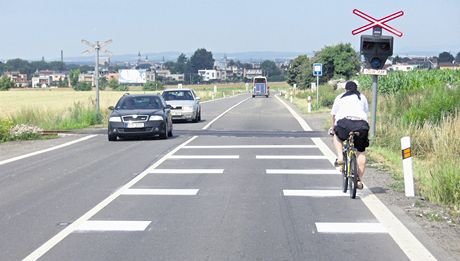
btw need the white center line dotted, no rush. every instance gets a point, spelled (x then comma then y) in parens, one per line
(186, 171)
(289, 157)
(161, 192)
(204, 157)
(313, 193)
(350, 228)
(102, 225)
(218, 117)
(302, 171)
(253, 147)
(46, 150)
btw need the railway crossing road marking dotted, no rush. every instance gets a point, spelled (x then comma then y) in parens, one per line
(186, 171)
(350, 228)
(253, 147)
(204, 157)
(313, 193)
(302, 171)
(102, 225)
(161, 192)
(306, 157)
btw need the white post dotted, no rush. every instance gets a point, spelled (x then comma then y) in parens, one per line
(407, 167)
(309, 103)
(215, 88)
(247, 87)
(179, 86)
(317, 92)
(290, 98)
(223, 94)
(233, 92)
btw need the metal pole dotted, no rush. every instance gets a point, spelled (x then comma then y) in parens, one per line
(317, 92)
(375, 82)
(96, 72)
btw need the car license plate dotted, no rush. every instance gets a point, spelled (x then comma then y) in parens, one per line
(134, 125)
(176, 113)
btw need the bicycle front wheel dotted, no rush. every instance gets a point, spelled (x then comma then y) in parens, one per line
(353, 179)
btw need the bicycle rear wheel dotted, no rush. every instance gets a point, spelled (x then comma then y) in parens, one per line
(353, 179)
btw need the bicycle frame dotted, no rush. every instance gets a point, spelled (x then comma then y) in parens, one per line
(349, 170)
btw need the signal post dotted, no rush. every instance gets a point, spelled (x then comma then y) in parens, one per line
(376, 49)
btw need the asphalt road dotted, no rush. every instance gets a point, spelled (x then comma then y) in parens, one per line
(221, 189)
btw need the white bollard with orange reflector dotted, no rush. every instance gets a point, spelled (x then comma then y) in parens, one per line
(309, 103)
(407, 167)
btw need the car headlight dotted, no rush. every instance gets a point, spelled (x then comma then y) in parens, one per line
(115, 119)
(187, 108)
(156, 118)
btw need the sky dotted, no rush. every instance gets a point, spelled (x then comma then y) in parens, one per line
(32, 29)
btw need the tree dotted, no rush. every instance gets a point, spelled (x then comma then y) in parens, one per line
(295, 71)
(270, 69)
(457, 58)
(171, 66)
(339, 61)
(181, 64)
(113, 84)
(73, 76)
(201, 59)
(5, 83)
(445, 57)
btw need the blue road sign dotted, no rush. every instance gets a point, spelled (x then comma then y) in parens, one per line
(317, 69)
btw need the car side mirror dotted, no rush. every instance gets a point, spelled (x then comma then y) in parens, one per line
(198, 98)
(111, 108)
(168, 106)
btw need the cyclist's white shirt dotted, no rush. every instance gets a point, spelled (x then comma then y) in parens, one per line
(350, 106)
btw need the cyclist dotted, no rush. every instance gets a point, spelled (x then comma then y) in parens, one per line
(349, 113)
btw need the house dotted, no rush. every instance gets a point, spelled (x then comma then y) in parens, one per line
(449, 66)
(251, 73)
(41, 81)
(402, 67)
(211, 75)
(19, 79)
(87, 77)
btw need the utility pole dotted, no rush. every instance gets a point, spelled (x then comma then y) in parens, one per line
(96, 47)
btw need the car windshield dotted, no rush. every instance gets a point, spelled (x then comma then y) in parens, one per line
(178, 95)
(141, 102)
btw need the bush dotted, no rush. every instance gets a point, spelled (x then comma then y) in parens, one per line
(25, 132)
(152, 86)
(5, 126)
(82, 86)
(5, 83)
(122, 88)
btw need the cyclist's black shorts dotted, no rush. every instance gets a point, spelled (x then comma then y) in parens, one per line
(345, 126)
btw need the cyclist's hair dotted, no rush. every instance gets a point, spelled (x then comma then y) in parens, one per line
(351, 88)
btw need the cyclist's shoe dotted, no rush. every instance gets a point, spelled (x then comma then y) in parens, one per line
(338, 163)
(359, 184)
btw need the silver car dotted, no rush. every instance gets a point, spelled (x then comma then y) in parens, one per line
(185, 105)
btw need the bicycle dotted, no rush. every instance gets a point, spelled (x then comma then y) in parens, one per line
(349, 168)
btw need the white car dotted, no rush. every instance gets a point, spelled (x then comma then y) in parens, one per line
(185, 105)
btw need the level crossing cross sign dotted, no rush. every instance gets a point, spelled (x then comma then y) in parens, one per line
(377, 22)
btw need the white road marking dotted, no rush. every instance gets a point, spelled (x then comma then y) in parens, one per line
(102, 225)
(350, 228)
(289, 157)
(225, 112)
(253, 147)
(186, 171)
(408, 243)
(205, 157)
(161, 192)
(313, 193)
(46, 150)
(302, 171)
(36, 254)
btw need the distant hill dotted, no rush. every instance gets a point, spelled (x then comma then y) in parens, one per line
(172, 56)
